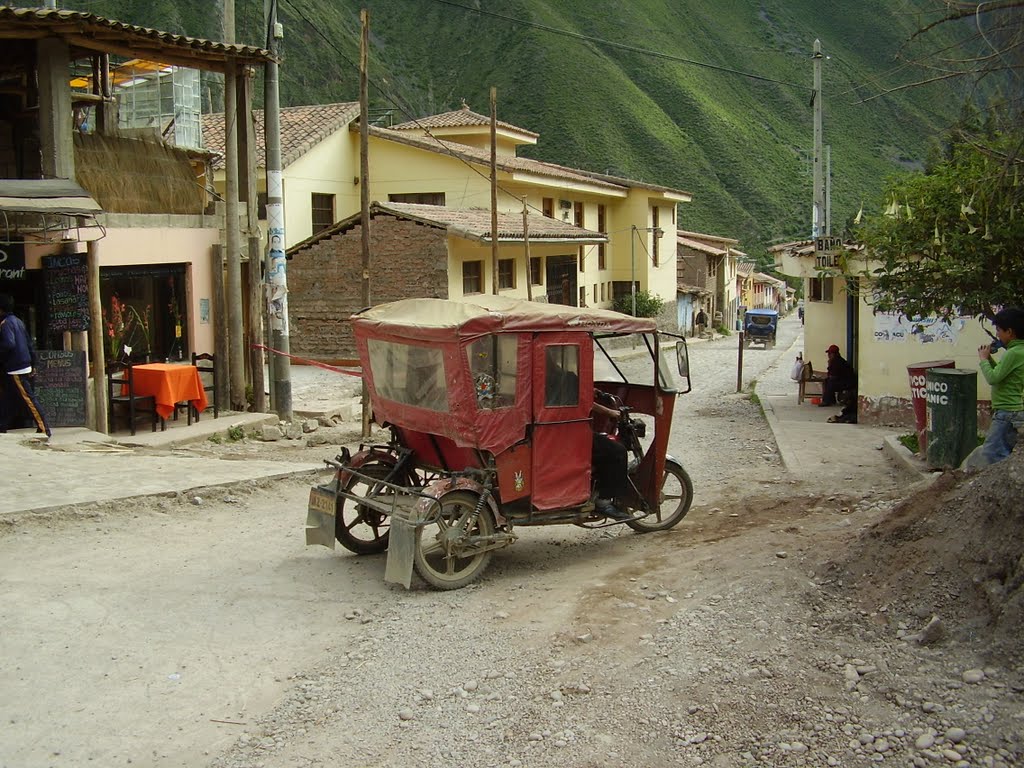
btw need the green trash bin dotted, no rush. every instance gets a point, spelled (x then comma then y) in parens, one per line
(952, 395)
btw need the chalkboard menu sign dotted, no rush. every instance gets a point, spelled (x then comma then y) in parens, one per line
(67, 278)
(61, 387)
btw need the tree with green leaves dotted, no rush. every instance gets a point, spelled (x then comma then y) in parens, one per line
(951, 240)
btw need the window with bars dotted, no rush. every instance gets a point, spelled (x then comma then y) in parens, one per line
(536, 270)
(323, 211)
(602, 226)
(472, 277)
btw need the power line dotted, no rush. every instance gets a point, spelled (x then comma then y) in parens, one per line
(620, 46)
(402, 108)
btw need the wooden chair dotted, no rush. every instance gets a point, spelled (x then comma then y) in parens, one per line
(121, 394)
(206, 365)
(811, 383)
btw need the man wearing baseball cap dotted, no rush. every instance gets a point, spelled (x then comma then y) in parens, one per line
(840, 382)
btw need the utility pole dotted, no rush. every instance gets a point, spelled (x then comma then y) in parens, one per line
(632, 267)
(277, 280)
(828, 189)
(364, 185)
(494, 189)
(818, 213)
(233, 282)
(229, 21)
(233, 279)
(526, 248)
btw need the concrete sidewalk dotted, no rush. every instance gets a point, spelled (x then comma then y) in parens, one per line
(810, 445)
(79, 466)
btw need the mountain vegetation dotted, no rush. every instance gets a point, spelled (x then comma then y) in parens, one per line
(709, 96)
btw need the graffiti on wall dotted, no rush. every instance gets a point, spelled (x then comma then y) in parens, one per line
(894, 328)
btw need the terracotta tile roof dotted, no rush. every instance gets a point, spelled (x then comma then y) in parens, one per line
(697, 245)
(458, 118)
(85, 30)
(745, 268)
(302, 128)
(476, 223)
(686, 288)
(469, 223)
(718, 240)
(479, 156)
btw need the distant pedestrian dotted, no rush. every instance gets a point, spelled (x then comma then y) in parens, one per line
(16, 355)
(701, 322)
(1006, 377)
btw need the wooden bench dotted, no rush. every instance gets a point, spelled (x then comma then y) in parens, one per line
(811, 384)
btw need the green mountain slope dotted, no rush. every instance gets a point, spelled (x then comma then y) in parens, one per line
(742, 146)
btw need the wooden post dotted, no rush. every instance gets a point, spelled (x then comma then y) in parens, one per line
(96, 338)
(526, 248)
(233, 281)
(494, 190)
(220, 327)
(739, 365)
(254, 319)
(364, 186)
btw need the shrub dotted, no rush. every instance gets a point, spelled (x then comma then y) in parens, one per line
(909, 442)
(647, 304)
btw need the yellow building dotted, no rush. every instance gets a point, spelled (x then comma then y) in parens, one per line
(883, 347)
(444, 160)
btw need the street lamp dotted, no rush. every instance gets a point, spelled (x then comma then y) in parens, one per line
(658, 232)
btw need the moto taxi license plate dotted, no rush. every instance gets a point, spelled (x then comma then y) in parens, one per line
(322, 501)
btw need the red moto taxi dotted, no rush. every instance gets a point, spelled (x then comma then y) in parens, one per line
(489, 404)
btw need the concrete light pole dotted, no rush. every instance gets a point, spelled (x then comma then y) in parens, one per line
(818, 213)
(277, 280)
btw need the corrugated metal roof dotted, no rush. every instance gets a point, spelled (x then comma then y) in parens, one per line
(90, 32)
(302, 128)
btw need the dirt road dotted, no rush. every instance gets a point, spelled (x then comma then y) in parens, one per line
(199, 630)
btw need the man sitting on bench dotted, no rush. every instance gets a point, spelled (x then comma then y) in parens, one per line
(840, 387)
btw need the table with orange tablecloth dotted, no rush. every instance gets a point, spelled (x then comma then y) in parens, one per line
(169, 384)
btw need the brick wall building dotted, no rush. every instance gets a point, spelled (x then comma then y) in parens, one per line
(410, 259)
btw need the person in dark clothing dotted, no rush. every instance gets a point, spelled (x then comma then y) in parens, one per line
(608, 457)
(701, 322)
(611, 465)
(840, 386)
(16, 353)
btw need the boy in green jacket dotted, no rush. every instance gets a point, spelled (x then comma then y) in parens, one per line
(1006, 378)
